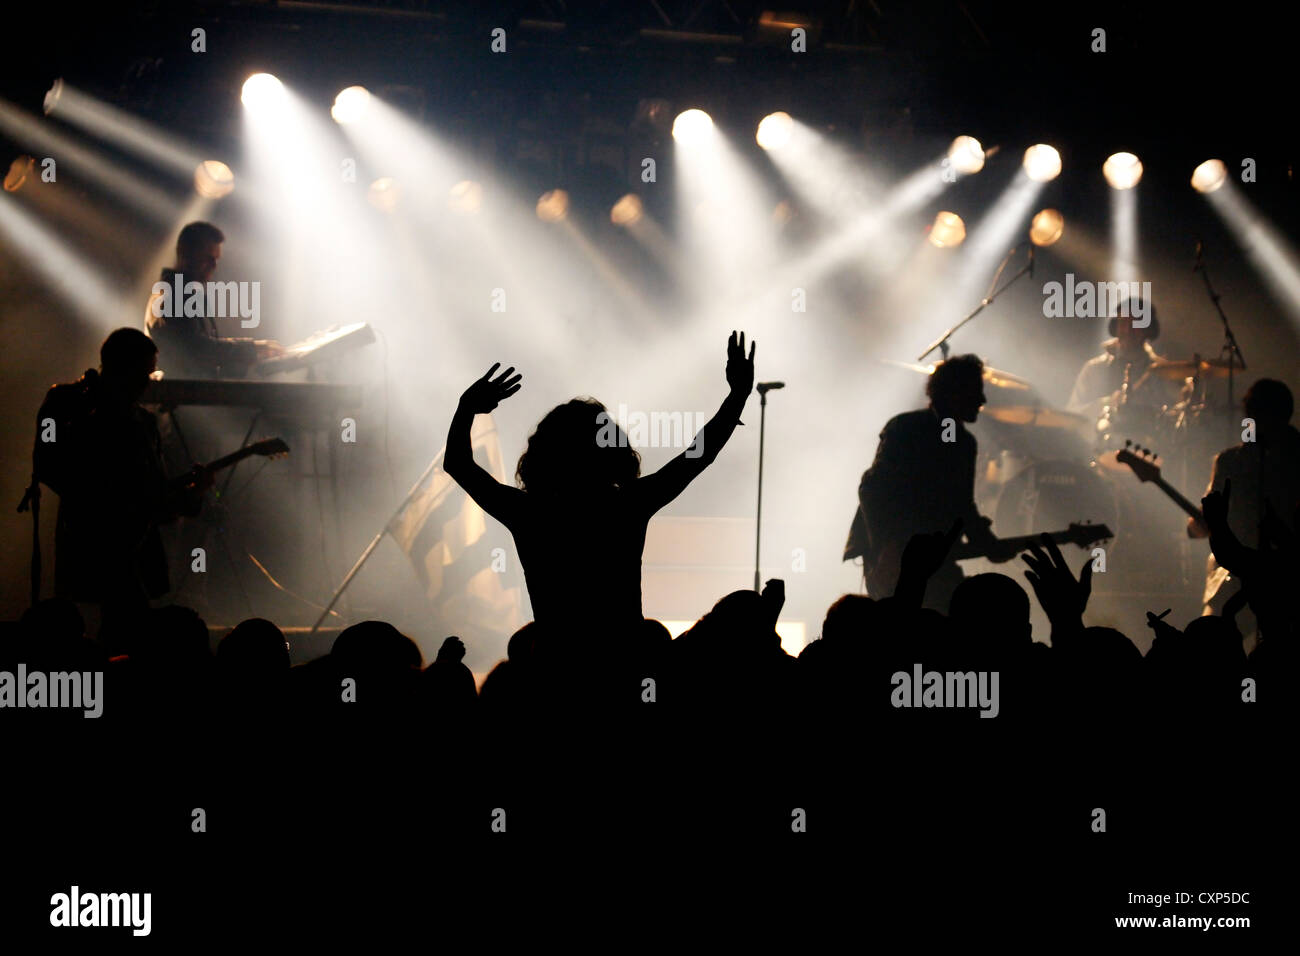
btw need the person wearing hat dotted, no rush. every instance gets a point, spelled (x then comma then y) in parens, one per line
(1127, 352)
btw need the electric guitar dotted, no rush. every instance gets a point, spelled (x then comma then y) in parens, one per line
(267, 448)
(1142, 463)
(881, 565)
(1147, 470)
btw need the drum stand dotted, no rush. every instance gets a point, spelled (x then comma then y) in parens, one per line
(1231, 350)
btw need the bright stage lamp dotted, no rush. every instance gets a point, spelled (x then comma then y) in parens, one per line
(553, 206)
(213, 179)
(262, 91)
(627, 211)
(53, 96)
(948, 230)
(966, 155)
(19, 170)
(350, 105)
(1046, 227)
(382, 194)
(1209, 176)
(1122, 171)
(1042, 163)
(692, 127)
(466, 196)
(775, 130)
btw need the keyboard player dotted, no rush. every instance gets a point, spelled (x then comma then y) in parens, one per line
(189, 346)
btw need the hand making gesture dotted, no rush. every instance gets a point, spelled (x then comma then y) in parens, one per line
(740, 370)
(487, 393)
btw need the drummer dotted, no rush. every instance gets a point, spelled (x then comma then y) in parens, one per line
(1128, 351)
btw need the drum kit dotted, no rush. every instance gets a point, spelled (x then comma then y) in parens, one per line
(1044, 467)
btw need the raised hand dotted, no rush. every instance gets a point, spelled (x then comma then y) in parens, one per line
(487, 393)
(1062, 597)
(740, 370)
(452, 651)
(773, 595)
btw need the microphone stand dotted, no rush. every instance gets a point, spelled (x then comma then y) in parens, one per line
(1230, 347)
(763, 388)
(941, 342)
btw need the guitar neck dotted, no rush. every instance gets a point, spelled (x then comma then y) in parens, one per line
(1178, 499)
(962, 552)
(225, 461)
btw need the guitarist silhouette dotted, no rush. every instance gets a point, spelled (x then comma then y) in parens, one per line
(921, 481)
(100, 451)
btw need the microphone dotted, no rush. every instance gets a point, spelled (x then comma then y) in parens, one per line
(764, 387)
(1031, 260)
(1200, 247)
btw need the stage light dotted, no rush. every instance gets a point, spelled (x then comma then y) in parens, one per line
(627, 211)
(1046, 227)
(1042, 163)
(350, 105)
(53, 96)
(966, 155)
(553, 206)
(692, 127)
(466, 196)
(262, 92)
(19, 170)
(382, 194)
(1209, 176)
(1122, 170)
(948, 230)
(775, 130)
(213, 179)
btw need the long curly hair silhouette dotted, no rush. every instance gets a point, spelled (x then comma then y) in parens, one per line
(577, 446)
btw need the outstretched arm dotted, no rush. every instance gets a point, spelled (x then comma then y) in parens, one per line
(671, 480)
(500, 501)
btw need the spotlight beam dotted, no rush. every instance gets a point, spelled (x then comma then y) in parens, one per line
(80, 285)
(83, 161)
(121, 128)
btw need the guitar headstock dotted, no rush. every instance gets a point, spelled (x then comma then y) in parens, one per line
(1141, 460)
(1083, 535)
(269, 447)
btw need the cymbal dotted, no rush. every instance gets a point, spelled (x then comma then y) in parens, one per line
(1036, 416)
(1109, 460)
(995, 378)
(1179, 369)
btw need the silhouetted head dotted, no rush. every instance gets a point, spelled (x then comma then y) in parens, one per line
(1110, 651)
(739, 623)
(956, 388)
(1270, 403)
(376, 646)
(992, 606)
(1122, 325)
(520, 646)
(175, 638)
(53, 637)
(198, 248)
(254, 647)
(847, 618)
(54, 618)
(577, 447)
(126, 360)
